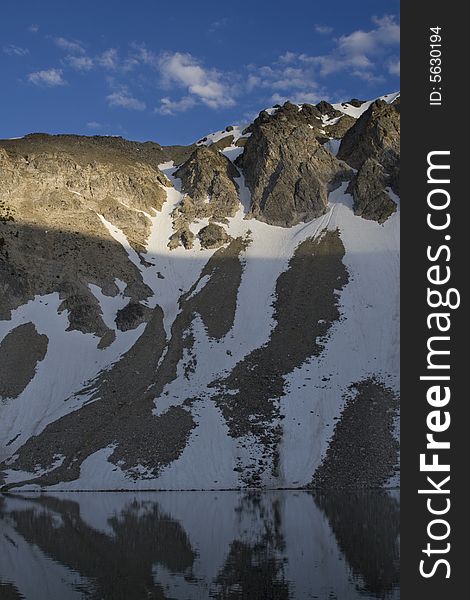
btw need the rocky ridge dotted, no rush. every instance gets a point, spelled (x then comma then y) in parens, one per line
(80, 217)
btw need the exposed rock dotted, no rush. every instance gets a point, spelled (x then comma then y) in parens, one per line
(375, 136)
(223, 142)
(182, 236)
(207, 180)
(363, 450)
(54, 189)
(20, 352)
(210, 191)
(354, 102)
(371, 201)
(288, 172)
(131, 316)
(338, 130)
(325, 108)
(213, 236)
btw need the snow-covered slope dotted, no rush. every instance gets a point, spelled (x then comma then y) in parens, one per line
(239, 363)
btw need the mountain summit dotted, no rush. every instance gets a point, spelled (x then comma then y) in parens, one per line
(212, 316)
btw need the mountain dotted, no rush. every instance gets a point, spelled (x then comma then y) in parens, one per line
(212, 316)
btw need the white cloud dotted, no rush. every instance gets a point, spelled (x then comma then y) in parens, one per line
(81, 63)
(47, 78)
(124, 99)
(170, 107)
(323, 29)
(297, 98)
(289, 76)
(363, 43)
(13, 50)
(33, 28)
(288, 57)
(394, 66)
(207, 85)
(71, 46)
(109, 59)
(361, 53)
(94, 125)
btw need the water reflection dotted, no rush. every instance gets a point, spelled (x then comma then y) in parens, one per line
(276, 545)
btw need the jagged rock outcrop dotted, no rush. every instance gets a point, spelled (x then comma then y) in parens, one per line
(376, 134)
(372, 146)
(287, 170)
(208, 182)
(339, 127)
(371, 201)
(210, 191)
(183, 236)
(213, 236)
(328, 110)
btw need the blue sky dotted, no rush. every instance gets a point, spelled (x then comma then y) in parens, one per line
(173, 71)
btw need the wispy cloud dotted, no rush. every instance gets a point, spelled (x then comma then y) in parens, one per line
(287, 78)
(323, 29)
(47, 78)
(360, 49)
(208, 86)
(72, 46)
(362, 54)
(171, 107)
(94, 125)
(33, 28)
(80, 63)
(13, 50)
(122, 98)
(109, 59)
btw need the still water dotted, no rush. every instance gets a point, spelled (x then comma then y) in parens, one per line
(275, 545)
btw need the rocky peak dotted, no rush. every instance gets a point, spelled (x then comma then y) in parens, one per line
(287, 170)
(372, 146)
(376, 134)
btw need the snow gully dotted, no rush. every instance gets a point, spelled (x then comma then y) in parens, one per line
(441, 299)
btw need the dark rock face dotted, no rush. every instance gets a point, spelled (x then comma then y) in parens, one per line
(325, 108)
(338, 130)
(287, 170)
(376, 134)
(20, 352)
(131, 316)
(372, 146)
(354, 102)
(371, 201)
(213, 236)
